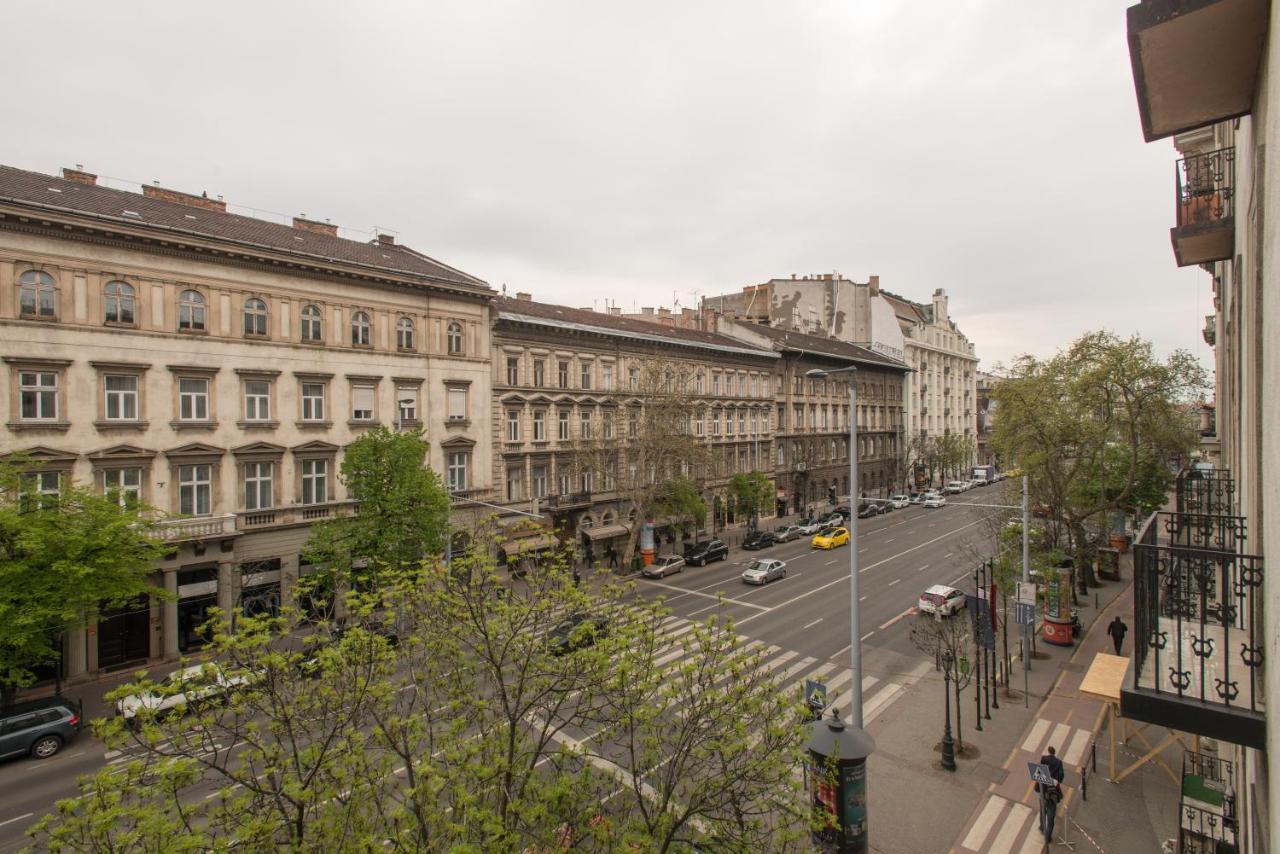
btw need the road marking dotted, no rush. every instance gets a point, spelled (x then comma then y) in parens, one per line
(1018, 815)
(828, 563)
(1036, 736)
(862, 598)
(814, 623)
(895, 581)
(923, 568)
(886, 696)
(682, 591)
(890, 540)
(947, 555)
(905, 613)
(1075, 751)
(16, 818)
(986, 819)
(864, 637)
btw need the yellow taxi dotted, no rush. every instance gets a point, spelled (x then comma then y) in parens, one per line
(831, 538)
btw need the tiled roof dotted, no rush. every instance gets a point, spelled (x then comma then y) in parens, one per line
(826, 346)
(907, 309)
(25, 188)
(516, 309)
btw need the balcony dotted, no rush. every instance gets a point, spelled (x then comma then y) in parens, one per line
(1206, 229)
(302, 514)
(571, 501)
(197, 527)
(1208, 491)
(1198, 633)
(1207, 805)
(1195, 62)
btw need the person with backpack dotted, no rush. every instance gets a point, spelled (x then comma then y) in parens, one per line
(1050, 795)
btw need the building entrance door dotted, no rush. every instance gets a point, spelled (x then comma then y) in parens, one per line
(124, 634)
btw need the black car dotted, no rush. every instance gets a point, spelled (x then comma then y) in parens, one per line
(705, 551)
(866, 510)
(759, 540)
(577, 631)
(39, 728)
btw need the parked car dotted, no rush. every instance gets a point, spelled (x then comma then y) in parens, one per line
(763, 570)
(917, 497)
(662, 566)
(900, 501)
(883, 505)
(977, 481)
(39, 728)
(831, 538)
(787, 533)
(833, 520)
(934, 499)
(941, 600)
(703, 552)
(809, 526)
(955, 487)
(185, 689)
(759, 540)
(866, 510)
(577, 631)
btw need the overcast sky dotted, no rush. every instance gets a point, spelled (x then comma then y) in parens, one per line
(648, 151)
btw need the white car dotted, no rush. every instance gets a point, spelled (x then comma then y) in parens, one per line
(764, 570)
(955, 487)
(662, 566)
(934, 499)
(977, 481)
(809, 528)
(941, 600)
(191, 686)
(900, 501)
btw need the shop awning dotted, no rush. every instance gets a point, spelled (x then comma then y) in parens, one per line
(530, 544)
(606, 532)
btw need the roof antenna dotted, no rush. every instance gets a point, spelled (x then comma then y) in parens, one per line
(504, 289)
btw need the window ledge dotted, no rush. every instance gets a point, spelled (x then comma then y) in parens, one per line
(352, 422)
(43, 318)
(457, 422)
(312, 425)
(61, 426)
(410, 422)
(110, 424)
(182, 331)
(193, 425)
(267, 425)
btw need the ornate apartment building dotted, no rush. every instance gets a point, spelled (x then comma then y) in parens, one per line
(214, 366)
(560, 374)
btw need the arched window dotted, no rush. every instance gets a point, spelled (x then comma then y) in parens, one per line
(586, 521)
(118, 303)
(36, 295)
(607, 518)
(361, 329)
(312, 325)
(191, 310)
(454, 339)
(404, 334)
(255, 317)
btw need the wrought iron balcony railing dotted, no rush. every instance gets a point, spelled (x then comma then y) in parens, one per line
(1208, 491)
(1207, 805)
(1206, 187)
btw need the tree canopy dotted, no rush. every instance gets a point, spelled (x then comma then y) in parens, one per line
(751, 493)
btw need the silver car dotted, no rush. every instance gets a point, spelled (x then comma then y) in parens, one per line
(764, 570)
(663, 565)
(787, 533)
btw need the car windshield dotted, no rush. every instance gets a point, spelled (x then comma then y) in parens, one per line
(758, 565)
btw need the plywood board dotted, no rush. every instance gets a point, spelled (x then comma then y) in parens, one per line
(1105, 676)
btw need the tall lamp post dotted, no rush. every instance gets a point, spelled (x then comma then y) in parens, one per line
(948, 743)
(855, 634)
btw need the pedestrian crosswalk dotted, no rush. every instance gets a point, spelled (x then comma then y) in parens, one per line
(1070, 742)
(1004, 827)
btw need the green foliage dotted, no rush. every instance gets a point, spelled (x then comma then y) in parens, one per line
(751, 493)
(679, 498)
(61, 558)
(403, 515)
(470, 734)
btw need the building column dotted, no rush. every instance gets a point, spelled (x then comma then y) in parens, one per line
(73, 653)
(91, 643)
(226, 588)
(169, 617)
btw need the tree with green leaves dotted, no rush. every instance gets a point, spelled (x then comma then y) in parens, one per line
(751, 493)
(403, 513)
(62, 558)
(487, 727)
(1094, 428)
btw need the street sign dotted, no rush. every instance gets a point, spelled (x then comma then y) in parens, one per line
(815, 694)
(1026, 613)
(1027, 592)
(1040, 774)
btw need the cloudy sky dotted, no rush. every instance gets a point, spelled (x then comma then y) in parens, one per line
(652, 151)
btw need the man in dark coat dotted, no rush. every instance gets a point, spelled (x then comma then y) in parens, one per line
(1117, 629)
(1050, 796)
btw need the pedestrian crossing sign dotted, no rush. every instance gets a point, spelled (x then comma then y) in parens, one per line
(1040, 773)
(815, 694)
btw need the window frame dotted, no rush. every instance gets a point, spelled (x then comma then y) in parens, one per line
(406, 330)
(252, 473)
(194, 484)
(123, 489)
(39, 283)
(121, 396)
(42, 393)
(193, 311)
(455, 462)
(454, 344)
(361, 329)
(254, 313)
(311, 319)
(257, 407)
(306, 401)
(206, 396)
(118, 299)
(308, 480)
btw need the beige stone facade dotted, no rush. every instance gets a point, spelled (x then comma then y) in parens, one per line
(218, 379)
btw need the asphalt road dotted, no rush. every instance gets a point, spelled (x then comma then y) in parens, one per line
(807, 612)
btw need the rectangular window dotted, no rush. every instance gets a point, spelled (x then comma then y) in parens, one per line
(313, 401)
(124, 484)
(257, 400)
(606, 425)
(562, 373)
(566, 485)
(362, 402)
(563, 433)
(715, 383)
(728, 424)
(539, 372)
(39, 391)
(742, 423)
(513, 425)
(193, 399)
(586, 375)
(456, 471)
(633, 378)
(540, 425)
(407, 403)
(457, 404)
(315, 481)
(515, 484)
(46, 486)
(195, 491)
(586, 481)
(539, 481)
(257, 485)
(632, 423)
(513, 370)
(608, 376)
(715, 424)
(698, 426)
(585, 423)
(122, 397)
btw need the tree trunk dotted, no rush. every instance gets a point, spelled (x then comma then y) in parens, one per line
(956, 684)
(1084, 562)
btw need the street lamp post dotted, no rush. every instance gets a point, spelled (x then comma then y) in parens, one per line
(948, 744)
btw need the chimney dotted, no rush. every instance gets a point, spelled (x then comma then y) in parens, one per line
(874, 285)
(315, 227)
(386, 240)
(524, 295)
(793, 277)
(189, 199)
(940, 306)
(79, 176)
(647, 311)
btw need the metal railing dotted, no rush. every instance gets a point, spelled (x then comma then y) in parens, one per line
(1206, 188)
(1208, 491)
(1203, 531)
(570, 499)
(1207, 824)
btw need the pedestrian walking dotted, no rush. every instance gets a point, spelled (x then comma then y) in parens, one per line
(612, 554)
(1050, 796)
(1117, 630)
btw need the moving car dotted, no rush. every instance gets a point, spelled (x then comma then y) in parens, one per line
(786, 533)
(39, 728)
(831, 538)
(900, 501)
(577, 631)
(941, 600)
(703, 552)
(759, 540)
(763, 570)
(934, 499)
(184, 689)
(662, 566)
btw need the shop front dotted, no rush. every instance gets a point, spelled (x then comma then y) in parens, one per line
(124, 634)
(197, 597)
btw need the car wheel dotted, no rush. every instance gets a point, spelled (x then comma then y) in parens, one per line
(46, 746)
